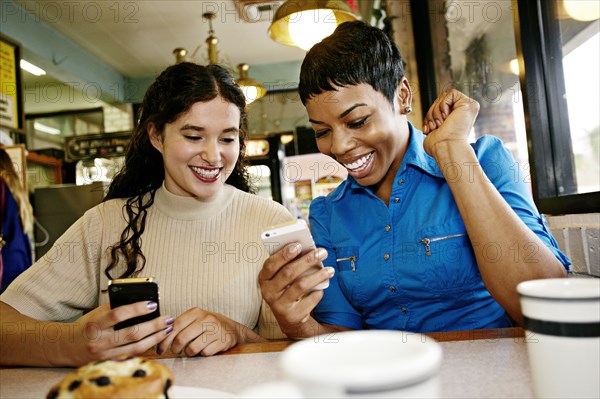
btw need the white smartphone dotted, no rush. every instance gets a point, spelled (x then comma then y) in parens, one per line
(276, 237)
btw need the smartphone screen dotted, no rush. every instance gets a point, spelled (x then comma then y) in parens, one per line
(130, 290)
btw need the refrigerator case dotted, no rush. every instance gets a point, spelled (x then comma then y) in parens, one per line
(293, 173)
(306, 177)
(98, 170)
(58, 207)
(265, 156)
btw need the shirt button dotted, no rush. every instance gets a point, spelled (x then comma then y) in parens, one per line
(386, 256)
(388, 227)
(401, 181)
(392, 288)
(396, 200)
(403, 310)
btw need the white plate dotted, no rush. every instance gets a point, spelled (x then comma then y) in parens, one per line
(181, 392)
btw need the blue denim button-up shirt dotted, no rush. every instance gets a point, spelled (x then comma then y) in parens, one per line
(410, 265)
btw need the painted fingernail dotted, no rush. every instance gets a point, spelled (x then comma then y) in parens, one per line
(168, 329)
(159, 350)
(425, 128)
(170, 321)
(330, 270)
(152, 305)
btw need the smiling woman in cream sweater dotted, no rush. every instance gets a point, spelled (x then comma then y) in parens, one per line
(180, 211)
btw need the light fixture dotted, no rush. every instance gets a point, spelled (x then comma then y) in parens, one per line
(252, 89)
(46, 129)
(211, 40)
(286, 138)
(303, 23)
(180, 55)
(582, 10)
(33, 69)
(514, 66)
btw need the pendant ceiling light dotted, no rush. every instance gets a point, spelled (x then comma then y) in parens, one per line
(252, 89)
(303, 23)
(581, 10)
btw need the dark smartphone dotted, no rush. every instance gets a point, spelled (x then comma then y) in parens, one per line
(124, 291)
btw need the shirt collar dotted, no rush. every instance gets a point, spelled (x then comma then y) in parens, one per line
(415, 155)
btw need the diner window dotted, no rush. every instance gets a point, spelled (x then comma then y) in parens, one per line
(559, 53)
(533, 67)
(473, 50)
(581, 67)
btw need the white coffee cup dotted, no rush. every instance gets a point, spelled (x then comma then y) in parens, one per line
(365, 364)
(562, 319)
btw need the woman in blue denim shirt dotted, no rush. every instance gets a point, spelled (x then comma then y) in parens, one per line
(429, 232)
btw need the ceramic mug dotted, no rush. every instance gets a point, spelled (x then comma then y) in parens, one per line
(562, 319)
(364, 364)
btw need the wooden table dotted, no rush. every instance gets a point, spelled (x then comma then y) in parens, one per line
(476, 364)
(279, 345)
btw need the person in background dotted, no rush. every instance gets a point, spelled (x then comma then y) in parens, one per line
(180, 210)
(16, 216)
(429, 232)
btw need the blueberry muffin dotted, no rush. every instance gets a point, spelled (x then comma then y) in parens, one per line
(130, 377)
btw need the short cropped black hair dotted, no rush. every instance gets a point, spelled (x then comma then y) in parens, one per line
(355, 53)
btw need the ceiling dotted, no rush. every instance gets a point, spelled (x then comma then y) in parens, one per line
(137, 38)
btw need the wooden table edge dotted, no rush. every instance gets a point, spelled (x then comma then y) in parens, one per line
(448, 336)
(280, 344)
(473, 335)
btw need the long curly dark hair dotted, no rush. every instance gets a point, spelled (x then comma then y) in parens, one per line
(173, 93)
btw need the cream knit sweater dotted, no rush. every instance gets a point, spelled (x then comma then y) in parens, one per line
(204, 254)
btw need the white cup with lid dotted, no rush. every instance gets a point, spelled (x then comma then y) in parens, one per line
(562, 319)
(370, 363)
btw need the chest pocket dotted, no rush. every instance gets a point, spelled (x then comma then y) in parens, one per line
(348, 265)
(445, 255)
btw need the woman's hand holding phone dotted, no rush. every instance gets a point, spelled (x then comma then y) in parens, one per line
(288, 284)
(94, 336)
(125, 291)
(275, 239)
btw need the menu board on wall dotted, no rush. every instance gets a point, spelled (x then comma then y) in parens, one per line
(11, 97)
(96, 146)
